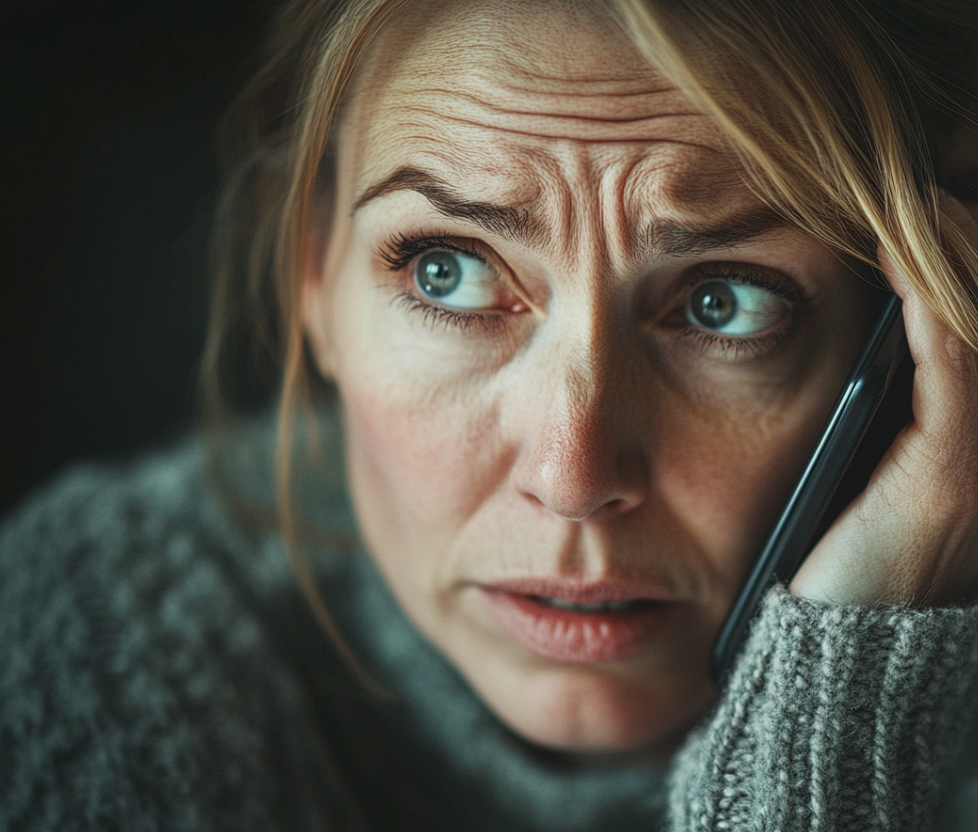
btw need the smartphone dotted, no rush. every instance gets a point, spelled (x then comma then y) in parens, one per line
(848, 449)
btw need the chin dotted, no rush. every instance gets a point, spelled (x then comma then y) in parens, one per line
(599, 710)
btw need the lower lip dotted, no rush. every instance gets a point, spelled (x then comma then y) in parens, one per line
(579, 637)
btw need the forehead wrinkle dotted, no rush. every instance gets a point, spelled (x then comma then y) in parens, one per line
(479, 43)
(635, 100)
(591, 86)
(475, 27)
(616, 192)
(580, 187)
(480, 54)
(504, 80)
(570, 179)
(585, 119)
(557, 114)
(695, 192)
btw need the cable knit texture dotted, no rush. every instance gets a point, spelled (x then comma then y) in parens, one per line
(160, 671)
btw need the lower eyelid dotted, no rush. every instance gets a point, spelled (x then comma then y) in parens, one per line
(459, 319)
(746, 347)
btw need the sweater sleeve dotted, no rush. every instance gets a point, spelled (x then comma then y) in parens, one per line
(834, 718)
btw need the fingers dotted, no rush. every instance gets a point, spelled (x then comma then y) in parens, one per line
(912, 535)
(945, 397)
(937, 455)
(946, 380)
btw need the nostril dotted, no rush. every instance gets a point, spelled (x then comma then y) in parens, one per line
(613, 506)
(583, 503)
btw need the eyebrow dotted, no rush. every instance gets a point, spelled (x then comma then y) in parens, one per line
(504, 220)
(667, 237)
(662, 237)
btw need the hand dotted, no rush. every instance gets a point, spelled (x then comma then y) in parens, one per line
(911, 537)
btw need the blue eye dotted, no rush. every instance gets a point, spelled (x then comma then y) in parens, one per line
(734, 308)
(456, 280)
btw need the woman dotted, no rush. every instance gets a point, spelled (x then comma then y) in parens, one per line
(586, 278)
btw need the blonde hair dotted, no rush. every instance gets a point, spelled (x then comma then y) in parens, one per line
(829, 114)
(839, 110)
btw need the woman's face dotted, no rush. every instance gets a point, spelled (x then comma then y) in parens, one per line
(580, 363)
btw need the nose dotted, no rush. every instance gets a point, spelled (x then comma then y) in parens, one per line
(580, 456)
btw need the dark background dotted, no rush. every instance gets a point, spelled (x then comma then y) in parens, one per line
(108, 158)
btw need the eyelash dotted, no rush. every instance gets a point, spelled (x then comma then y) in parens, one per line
(728, 347)
(430, 313)
(399, 250)
(746, 275)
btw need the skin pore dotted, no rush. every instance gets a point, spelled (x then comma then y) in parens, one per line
(531, 233)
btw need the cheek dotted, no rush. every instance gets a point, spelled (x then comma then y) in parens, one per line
(422, 407)
(423, 444)
(428, 455)
(420, 461)
(730, 475)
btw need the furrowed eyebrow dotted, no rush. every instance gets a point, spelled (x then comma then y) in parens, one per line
(503, 220)
(662, 238)
(666, 237)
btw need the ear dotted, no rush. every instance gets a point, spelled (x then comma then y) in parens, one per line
(315, 305)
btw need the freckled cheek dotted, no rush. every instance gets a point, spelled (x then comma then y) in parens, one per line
(420, 463)
(421, 442)
(729, 482)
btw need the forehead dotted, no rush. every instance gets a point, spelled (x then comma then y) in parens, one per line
(510, 96)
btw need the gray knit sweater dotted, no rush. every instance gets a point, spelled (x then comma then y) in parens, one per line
(160, 671)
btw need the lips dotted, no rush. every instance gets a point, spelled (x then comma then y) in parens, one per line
(582, 624)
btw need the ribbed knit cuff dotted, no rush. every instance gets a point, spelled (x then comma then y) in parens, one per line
(835, 718)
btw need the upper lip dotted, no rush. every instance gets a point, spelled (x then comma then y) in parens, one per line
(578, 592)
